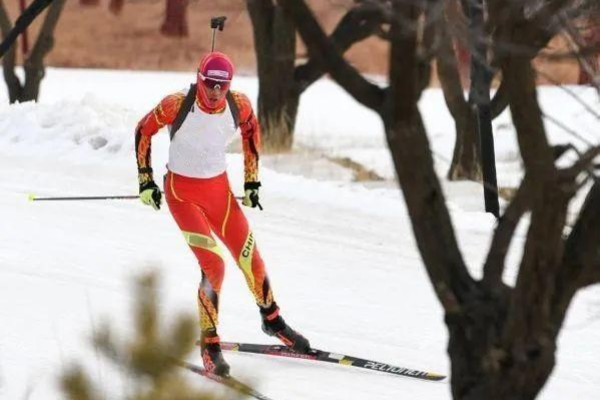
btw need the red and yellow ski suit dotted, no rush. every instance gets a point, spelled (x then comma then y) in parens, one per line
(200, 198)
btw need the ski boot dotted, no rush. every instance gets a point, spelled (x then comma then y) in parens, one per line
(212, 357)
(274, 325)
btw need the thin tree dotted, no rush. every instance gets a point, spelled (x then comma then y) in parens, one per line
(278, 95)
(281, 81)
(175, 23)
(116, 6)
(466, 160)
(24, 35)
(281, 85)
(502, 339)
(453, 32)
(454, 28)
(33, 64)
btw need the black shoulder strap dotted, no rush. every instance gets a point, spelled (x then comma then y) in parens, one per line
(186, 106)
(235, 112)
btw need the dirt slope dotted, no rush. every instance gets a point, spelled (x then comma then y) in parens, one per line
(93, 37)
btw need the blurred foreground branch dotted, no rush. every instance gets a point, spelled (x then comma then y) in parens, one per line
(146, 358)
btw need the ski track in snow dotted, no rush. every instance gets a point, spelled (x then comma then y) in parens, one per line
(342, 259)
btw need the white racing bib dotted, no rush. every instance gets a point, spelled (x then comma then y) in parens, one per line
(198, 148)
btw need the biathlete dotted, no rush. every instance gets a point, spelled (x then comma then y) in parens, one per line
(200, 199)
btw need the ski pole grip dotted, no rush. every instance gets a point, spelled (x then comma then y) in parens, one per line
(218, 22)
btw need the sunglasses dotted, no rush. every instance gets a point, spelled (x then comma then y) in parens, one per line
(211, 84)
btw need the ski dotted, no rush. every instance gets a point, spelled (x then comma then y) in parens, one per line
(228, 381)
(333, 358)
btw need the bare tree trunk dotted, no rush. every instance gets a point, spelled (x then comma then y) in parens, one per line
(116, 6)
(175, 23)
(278, 97)
(466, 161)
(281, 84)
(24, 36)
(34, 63)
(466, 158)
(9, 60)
(502, 340)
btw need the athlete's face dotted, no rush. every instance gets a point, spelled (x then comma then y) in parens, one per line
(215, 91)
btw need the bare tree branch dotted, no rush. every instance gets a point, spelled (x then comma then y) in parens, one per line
(426, 39)
(499, 102)
(527, 117)
(522, 49)
(494, 265)
(543, 24)
(34, 65)
(406, 137)
(581, 260)
(584, 163)
(458, 25)
(503, 235)
(466, 158)
(357, 24)
(572, 94)
(576, 42)
(448, 74)
(585, 51)
(535, 30)
(8, 61)
(595, 273)
(500, 339)
(542, 254)
(414, 165)
(329, 55)
(23, 22)
(568, 130)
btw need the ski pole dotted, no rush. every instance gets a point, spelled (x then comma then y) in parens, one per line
(33, 197)
(216, 22)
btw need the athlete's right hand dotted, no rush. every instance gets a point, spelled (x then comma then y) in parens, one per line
(150, 194)
(251, 195)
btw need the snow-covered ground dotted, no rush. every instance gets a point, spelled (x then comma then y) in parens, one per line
(341, 256)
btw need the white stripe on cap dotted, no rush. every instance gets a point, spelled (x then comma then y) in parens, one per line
(213, 79)
(217, 73)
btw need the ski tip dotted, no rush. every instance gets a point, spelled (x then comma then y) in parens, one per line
(31, 197)
(230, 346)
(435, 377)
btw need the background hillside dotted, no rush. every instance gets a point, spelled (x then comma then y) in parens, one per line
(93, 37)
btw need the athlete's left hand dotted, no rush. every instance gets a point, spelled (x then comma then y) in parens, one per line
(150, 194)
(251, 195)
